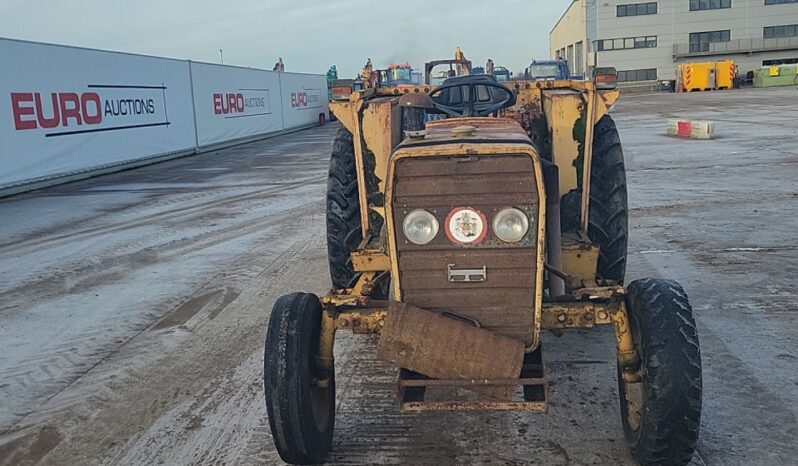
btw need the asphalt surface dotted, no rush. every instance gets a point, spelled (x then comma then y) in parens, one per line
(133, 306)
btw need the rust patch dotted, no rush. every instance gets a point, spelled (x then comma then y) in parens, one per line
(531, 117)
(437, 346)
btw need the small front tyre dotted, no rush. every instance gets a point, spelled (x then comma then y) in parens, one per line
(300, 394)
(661, 414)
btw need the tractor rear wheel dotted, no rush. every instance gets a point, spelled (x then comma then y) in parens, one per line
(344, 231)
(608, 226)
(300, 394)
(661, 413)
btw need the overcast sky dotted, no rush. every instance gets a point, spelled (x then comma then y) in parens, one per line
(310, 35)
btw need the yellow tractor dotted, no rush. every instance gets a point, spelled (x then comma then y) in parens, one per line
(462, 220)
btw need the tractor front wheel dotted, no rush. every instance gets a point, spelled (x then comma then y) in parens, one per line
(300, 392)
(661, 413)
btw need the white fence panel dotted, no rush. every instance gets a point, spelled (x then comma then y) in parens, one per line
(234, 103)
(304, 99)
(65, 110)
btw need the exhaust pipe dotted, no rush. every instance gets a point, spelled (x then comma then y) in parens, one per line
(551, 181)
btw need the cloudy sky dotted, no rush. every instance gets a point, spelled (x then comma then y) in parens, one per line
(310, 35)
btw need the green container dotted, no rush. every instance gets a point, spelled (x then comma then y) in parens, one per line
(787, 76)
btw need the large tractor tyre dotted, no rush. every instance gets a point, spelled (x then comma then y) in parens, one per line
(661, 414)
(608, 218)
(301, 409)
(344, 231)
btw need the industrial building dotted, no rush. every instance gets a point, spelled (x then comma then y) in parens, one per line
(645, 41)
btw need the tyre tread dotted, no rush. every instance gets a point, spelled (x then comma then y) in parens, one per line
(608, 221)
(343, 210)
(671, 360)
(296, 436)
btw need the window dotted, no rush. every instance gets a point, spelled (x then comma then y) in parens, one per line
(774, 32)
(637, 75)
(576, 65)
(699, 41)
(779, 2)
(637, 9)
(569, 57)
(642, 42)
(780, 61)
(696, 5)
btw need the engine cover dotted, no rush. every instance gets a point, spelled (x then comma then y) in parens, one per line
(466, 269)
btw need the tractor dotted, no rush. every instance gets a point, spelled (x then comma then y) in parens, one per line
(397, 75)
(463, 220)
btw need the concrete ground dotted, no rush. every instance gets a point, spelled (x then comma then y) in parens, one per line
(133, 306)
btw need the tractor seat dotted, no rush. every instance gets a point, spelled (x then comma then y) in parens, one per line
(489, 94)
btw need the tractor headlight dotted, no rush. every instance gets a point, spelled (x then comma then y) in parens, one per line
(420, 227)
(510, 225)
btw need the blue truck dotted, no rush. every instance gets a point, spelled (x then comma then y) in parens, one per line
(548, 69)
(502, 74)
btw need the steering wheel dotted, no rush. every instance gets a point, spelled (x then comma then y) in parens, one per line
(472, 106)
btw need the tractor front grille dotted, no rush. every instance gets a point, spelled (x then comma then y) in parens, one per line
(505, 301)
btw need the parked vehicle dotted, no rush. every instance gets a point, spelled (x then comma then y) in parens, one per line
(547, 69)
(460, 240)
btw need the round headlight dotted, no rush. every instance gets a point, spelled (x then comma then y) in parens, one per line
(420, 227)
(510, 225)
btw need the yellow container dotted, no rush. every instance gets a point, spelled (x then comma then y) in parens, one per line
(707, 76)
(725, 72)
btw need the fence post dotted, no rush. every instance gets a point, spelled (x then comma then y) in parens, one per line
(193, 106)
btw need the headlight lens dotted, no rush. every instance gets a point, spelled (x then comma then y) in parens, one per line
(420, 227)
(510, 225)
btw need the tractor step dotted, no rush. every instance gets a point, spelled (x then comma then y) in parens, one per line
(418, 393)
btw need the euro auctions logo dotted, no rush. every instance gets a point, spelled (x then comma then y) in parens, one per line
(101, 108)
(242, 103)
(305, 99)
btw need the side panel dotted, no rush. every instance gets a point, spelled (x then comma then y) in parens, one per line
(66, 110)
(304, 99)
(346, 112)
(235, 103)
(560, 116)
(380, 131)
(566, 117)
(381, 134)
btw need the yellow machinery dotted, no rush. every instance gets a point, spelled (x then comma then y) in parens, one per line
(459, 66)
(707, 76)
(489, 212)
(368, 68)
(460, 58)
